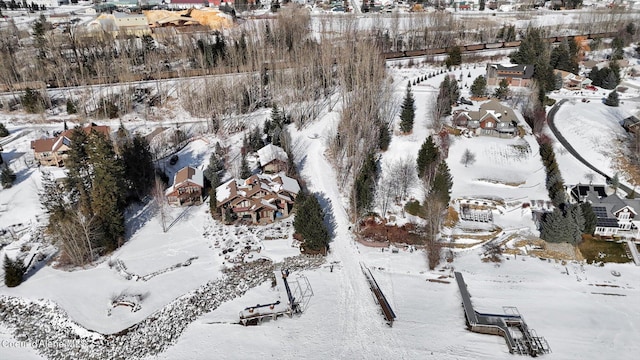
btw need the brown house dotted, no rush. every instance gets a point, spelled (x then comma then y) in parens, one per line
(516, 75)
(493, 119)
(187, 188)
(53, 151)
(261, 198)
(273, 159)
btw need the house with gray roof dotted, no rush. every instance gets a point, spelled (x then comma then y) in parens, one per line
(493, 119)
(616, 216)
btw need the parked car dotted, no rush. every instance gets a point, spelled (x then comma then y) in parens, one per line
(173, 160)
(465, 101)
(591, 87)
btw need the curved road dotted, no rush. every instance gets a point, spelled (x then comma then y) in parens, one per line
(570, 149)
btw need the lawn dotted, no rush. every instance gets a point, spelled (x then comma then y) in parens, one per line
(595, 250)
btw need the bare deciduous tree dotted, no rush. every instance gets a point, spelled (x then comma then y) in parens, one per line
(161, 204)
(468, 158)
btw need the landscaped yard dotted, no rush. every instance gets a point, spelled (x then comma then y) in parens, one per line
(595, 250)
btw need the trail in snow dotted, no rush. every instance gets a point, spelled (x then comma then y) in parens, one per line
(361, 320)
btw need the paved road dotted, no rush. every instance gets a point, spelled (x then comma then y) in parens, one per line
(570, 149)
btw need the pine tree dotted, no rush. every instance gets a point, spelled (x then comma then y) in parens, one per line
(556, 228)
(138, 166)
(107, 197)
(32, 101)
(245, 172)
(444, 101)
(407, 116)
(384, 137)
(578, 220)
(590, 218)
(309, 222)
(364, 185)
(71, 107)
(454, 57)
(613, 99)
(442, 183)
(13, 271)
(215, 166)
(3, 130)
(502, 90)
(7, 177)
(427, 157)
(79, 171)
(479, 87)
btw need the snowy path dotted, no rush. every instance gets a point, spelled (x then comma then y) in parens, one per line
(360, 318)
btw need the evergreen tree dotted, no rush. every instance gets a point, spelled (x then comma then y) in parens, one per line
(13, 271)
(617, 47)
(482, 5)
(442, 183)
(364, 185)
(107, 197)
(557, 228)
(245, 172)
(444, 100)
(214, 167)
(427, 157)
(479, 86)
(590, 218)
(502, 90)
(309, 222)
(558, 81)
(138, 166)
(3, 130)
(578, 222)
(384, 136)
(534, 50)
(32, 101)
(612, 99)
(454, 57)
(79, 171)
(7, 177)
(407, 115)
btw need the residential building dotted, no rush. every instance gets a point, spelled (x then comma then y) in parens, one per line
(516, 75)
(260, 198)
(272, 159)
(616, 217)
(572, 81)
(53, 151)
(187, 188)
(493, 119)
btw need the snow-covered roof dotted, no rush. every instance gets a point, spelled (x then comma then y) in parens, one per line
(187, 174)
(271, 152)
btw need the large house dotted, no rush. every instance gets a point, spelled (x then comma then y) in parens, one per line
(616, 216)
(516, 75)
(572, 81)
(53, 151)
(261, 198)
(187, 188)
(492, 119)
(272, 159)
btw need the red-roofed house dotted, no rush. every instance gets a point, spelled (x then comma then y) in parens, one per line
(53, 151)
(188, 184)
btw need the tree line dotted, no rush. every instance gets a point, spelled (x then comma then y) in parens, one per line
(86, 211)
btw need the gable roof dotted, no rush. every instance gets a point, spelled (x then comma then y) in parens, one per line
(189, 174)
(53, 144)
(271, 152)
(273, 185)
(525, 70)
